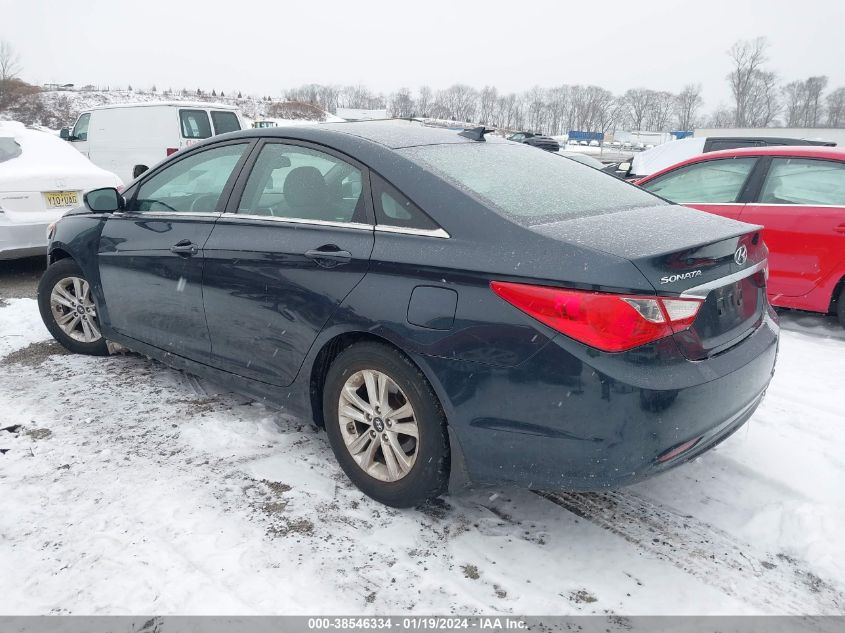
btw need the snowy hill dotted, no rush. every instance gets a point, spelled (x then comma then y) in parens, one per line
(59, 108)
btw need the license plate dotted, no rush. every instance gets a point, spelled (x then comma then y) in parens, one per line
(61, 198)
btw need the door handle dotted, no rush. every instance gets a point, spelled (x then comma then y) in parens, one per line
(840, 228)
(329, 254)
(184, 247)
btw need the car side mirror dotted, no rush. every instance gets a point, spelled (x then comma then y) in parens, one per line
(105, 200)
(64, 133)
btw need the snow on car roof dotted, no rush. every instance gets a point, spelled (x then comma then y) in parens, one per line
(398, 133)
(662, 156)
(170, 104)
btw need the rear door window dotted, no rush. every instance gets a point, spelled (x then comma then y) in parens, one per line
(194, 124)
(224, 121)
(804, 181)
(712, 181)
(289, 181)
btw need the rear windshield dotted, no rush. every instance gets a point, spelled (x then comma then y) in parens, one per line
(224, 122)
(9, 148)
(194, 124)
(530, 185)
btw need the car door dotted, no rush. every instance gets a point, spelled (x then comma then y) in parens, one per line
(79, 135)
(801, 206)
(151, 258)
(714, 186)
(296, 239)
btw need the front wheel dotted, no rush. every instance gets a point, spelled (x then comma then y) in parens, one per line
(67, 309)
(386, 426)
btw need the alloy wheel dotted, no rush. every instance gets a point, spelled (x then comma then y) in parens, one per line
(74, 311)
(378, 425)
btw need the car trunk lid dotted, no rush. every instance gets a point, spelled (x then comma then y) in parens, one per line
(689, 254)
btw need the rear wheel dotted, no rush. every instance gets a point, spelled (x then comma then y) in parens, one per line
(840, 306)
(67, 309)
(386, 426)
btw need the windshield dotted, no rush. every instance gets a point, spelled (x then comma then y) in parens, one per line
(9, 148)
(529, 185)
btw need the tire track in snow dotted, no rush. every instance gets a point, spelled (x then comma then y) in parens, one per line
(775, 583)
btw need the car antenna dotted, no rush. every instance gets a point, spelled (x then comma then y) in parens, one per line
(476, 133)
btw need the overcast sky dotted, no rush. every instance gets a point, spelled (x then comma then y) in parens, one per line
(263, 47)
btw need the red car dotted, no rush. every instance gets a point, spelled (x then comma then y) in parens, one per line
(796, 193)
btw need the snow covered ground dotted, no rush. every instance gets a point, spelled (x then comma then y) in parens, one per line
(130, 488)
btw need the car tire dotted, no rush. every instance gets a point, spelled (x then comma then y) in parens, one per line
(368, 450)
(67, 309)
(840, 306)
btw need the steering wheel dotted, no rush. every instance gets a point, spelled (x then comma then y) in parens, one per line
(203, 202)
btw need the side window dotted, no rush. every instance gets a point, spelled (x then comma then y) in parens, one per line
(711, 181)
(804, 181)
(194, 183)
(288, 181)
(80, 130)
(394, 209)
(224, 121)
(194, 124)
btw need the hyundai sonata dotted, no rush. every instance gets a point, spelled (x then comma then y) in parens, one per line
(444, 304)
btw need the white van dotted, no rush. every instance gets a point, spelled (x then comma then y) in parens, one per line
(128, 139)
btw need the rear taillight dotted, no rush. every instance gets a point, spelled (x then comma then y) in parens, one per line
(172, 150)
(609, 322)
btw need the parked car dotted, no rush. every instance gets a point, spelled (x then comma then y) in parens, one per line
(536, 140)
(40, 178)
(665, 155)
(128, 139)
(383, 280)
(796, 193)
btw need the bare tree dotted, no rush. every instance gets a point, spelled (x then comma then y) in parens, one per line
(487, 105)
(400, 103)
(638, 102)
(9, 68)
(458, 102)
(558, 103)
(10, 64)
(835, 103)
(535, 109)
(425, 101)
(747, 56)
(721, 117)
(762, 101)
(660, 113)
(687, 105)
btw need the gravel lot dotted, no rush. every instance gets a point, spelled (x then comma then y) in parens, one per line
(128, 487)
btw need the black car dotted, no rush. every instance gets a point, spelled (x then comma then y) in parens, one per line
(443, 305)
(536, 140)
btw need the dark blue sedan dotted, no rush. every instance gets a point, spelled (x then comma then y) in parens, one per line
(444, 304)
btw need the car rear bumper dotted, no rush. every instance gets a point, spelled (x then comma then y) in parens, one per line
(574, 418)
(22, 240)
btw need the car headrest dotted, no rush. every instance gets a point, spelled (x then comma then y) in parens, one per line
(305, 187)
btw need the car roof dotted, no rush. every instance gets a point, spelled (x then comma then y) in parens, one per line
(810, 151)
(793, 151)
(390, 133)
(169, 104)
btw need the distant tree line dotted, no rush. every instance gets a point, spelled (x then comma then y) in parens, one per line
(758, 99)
